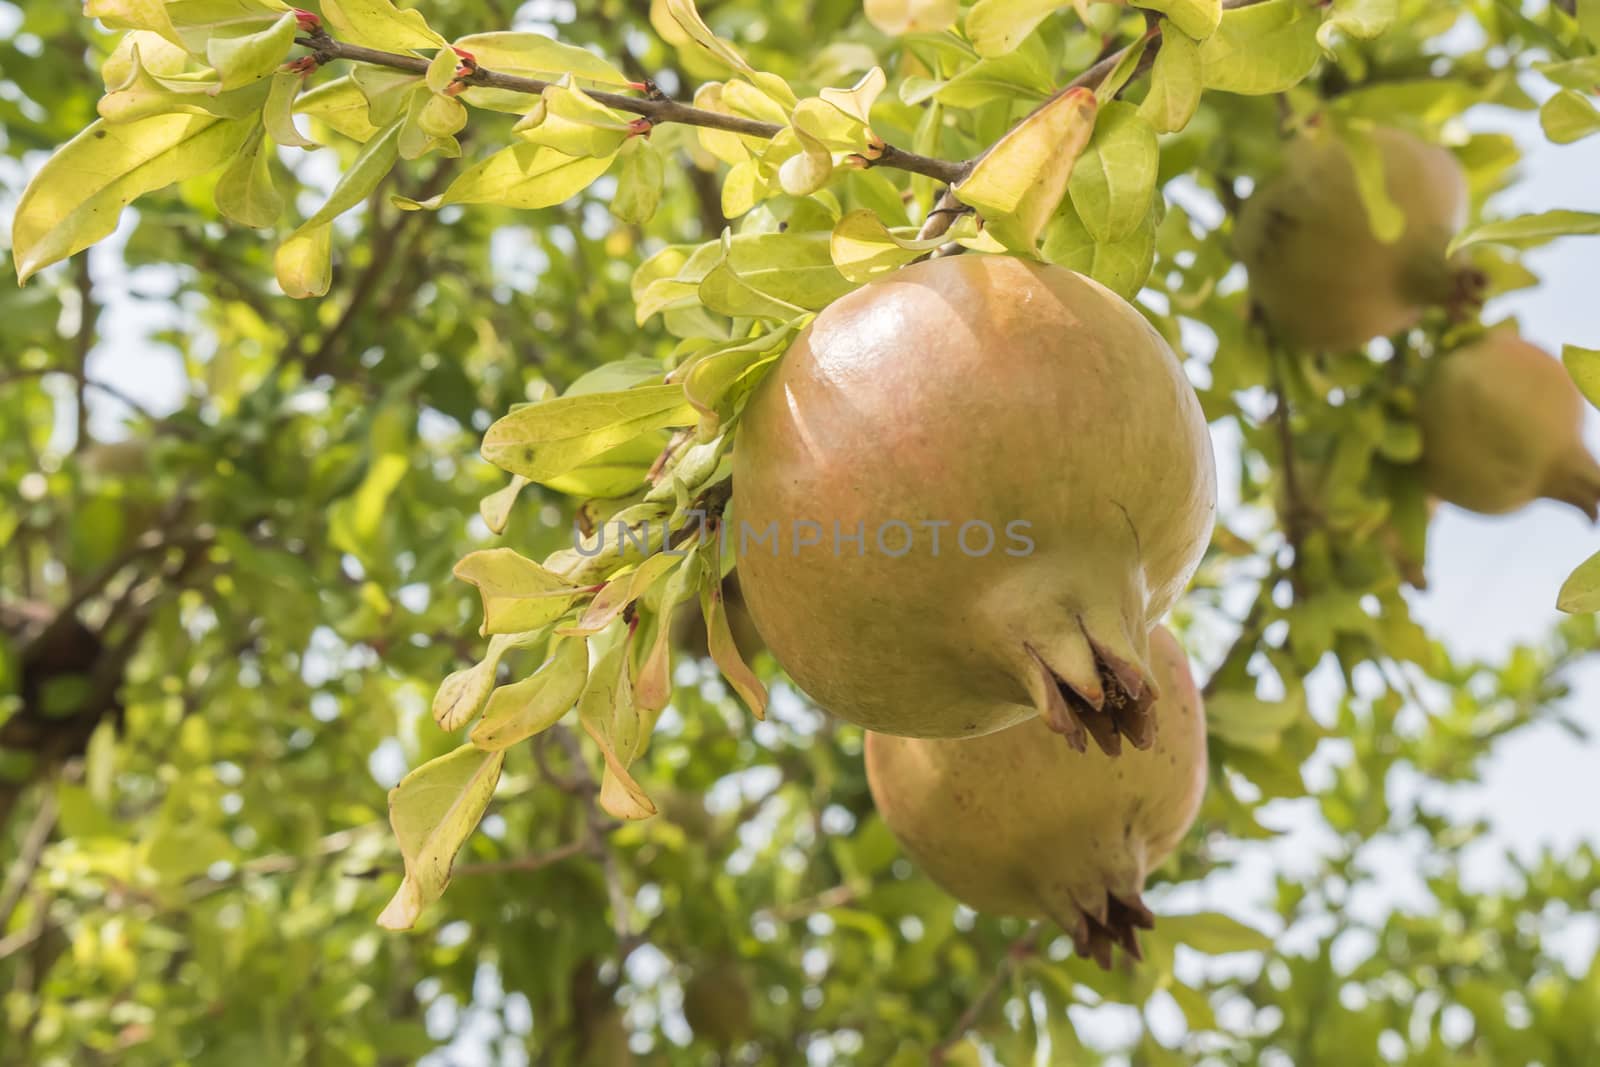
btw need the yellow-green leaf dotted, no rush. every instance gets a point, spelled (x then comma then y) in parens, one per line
(639, 181)
(1122, 266)
(1526, 230)
(148, 15)
(1580, 594)
(1017, 186)
(996, 27)
(339, 103)
(518, 594)
(862, 247)
(1176, 83)
(303, 262)
(245, 192)
(1366, 20)
(278, 113)
(524, 709)
(532, 55)
(250, 57)
(610, 715)
(379, 24)
(1114, 181)
(543, 441)
(521, 176)
(571, 122)
(1214, 933)
(1197, 18)
(899, 17)
(1569, 116)
(433, 810)
(1260, 49)
(719, 642)
(78, 195)
(1584, 366)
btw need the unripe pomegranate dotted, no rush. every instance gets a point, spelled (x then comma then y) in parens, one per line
(987, 479)
(1502, 425)
(1010, 824)
(1320, 275)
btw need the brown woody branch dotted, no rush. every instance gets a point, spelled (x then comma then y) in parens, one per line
(658, 110)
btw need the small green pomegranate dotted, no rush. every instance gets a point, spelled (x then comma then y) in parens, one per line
(965, 495)
(1010, 824)
(1502, 425)
(1320, 275)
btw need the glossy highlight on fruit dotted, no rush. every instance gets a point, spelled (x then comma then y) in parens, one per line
(1011, 824)
(1502, 425)
(1320, 275)
(928, 413)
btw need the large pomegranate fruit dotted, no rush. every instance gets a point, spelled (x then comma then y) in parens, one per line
(980, 482)
(1012, 825)
(1319, 274)
(1502, 425)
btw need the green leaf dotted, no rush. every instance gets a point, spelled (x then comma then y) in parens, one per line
(1568, 116)
(1198, 19)
(1260, 49)
(1113, 183)
(379, 24)
(248, 58)
(863, 248)
(996, 27)
(245, 192)
(518, 594)
(1528, 230)
(1214, 933)
(522, 176)
(1176, 83)
(1018, 184)
(1588, 13)
(1584, 366)
(1121, 266)
(1581, 73)
(524, 709)
(1365, 20)
(304, 262)
(726, 291)
(609, 603)
(685, 14)
(78, 195)
(433, 810)
(1384, 216)
(543, 441)
(713, 378)
(1247, 721)
(639, 181)
(1580, 594)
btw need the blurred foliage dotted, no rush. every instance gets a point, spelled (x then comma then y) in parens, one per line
(226, 618)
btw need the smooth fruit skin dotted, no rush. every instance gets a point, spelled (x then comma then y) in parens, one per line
(1318, 273)
(1502, 425)
(1011, 824)
(974, 389)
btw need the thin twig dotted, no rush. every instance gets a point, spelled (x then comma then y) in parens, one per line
(658, 110)
(88, 321)
(524, 864)
(28, 857)
(1019, 950)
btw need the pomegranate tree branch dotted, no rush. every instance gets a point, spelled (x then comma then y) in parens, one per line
(655, 108)
(949, 208)
(1019, 950)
